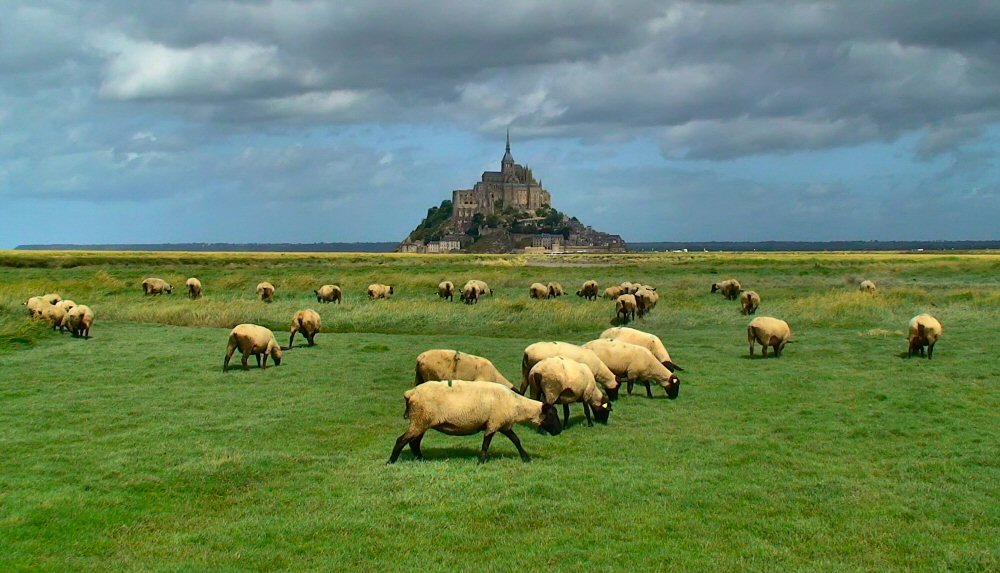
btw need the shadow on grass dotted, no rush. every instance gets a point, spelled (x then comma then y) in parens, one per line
(435, 454)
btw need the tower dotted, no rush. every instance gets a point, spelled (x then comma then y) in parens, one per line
(507, 163)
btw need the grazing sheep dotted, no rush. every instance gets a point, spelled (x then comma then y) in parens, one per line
(648, 341)
(446, 290)
(613, 292)
(51, 298)
(66, 304)
(377, 290)
(632, 363)
(749, 302)
(538, 290)
(555, 290)
(629, 287)
(559, 380)
(463, 408)
(484, 289)
(252, 339)
(729, 288)
(194, 287)
(155, 286)
(868, 287)
(265, 291)
(539, 351)
(645, 300)
(329, 293)
(79, 320)
(625, 307)
(308, 322)
(34, 305)
(768, 331)
(54, 315)
(470, 292)
(589, 290)
(440, 364)
(925, 330)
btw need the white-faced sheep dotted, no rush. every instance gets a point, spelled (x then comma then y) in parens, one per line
(648, 341)
(446, 290)
(265, 291)
(559, 380)
(645, 300)
(539, 351)
(79, 320)
(555, 290)
(768, 331)
(463, 408)
(749, 302)
(308, 322)
(589, 290)
(329, 293)
(155, 286)
(193, 287)
(730, 288)
(441, 364)
(377, 291)
(613, 292)
(625, 307)
(632, 363)
(868, 287)
(925, 330)
(252, 339)
(538, 290)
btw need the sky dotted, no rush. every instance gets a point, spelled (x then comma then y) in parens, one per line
(308, 121)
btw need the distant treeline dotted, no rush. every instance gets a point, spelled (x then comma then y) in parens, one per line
(816, 246)
(238, 247)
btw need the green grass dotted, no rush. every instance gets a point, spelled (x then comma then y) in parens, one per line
(133, 451)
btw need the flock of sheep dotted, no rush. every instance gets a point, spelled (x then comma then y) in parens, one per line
(61, 314)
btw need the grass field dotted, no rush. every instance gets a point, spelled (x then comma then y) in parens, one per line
(133, 451)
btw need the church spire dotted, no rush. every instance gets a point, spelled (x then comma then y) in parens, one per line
(508, 140)
(508, 159)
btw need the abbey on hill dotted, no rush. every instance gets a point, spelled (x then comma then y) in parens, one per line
(505, 211)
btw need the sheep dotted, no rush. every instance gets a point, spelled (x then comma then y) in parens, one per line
(632, 363)
(470, 293)
(925, 330)
(440, 364)
(625, 307)
(613, 292)
(252, 339)
(768, 331)
(559, 380)
(54, 315)
(446, 290)
(648, 341)
(377, 290)
(463, 408)
(308, 322)
(729, 288)
(154, 286)
(265, 291)
(194, 287)
(538, 290)
(589, 290)
(629, 287)
(555, 290)
(79, 320)
(868, 287)
(749, 301)
(33, 305)
(329, 293)
(51, 298)
(66, 304)
(539, 351)
(645, 300)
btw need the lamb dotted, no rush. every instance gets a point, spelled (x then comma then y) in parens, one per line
(539, 351)
(446, 290)
(749, 302)
(589, 290)
(463, 408)
(155, 286)
(308, 322)
(538, 290)
(252, 339)
(555, 290)
(768, 331)
(645, 300)
(631, 363)
(559, 380)
(440, 364)
(613, 292)
(868, 287)
(265, 291)
(729, 288)
(648, 341)
(329, 293)
(194, 287)
(625, 307)
(377, 290)
(925, 330)
(79, 320)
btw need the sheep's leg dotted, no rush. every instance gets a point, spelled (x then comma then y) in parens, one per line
(229, 356)
(586, 413)
(630, 384)
(487, 439)
(565, 415)
(311, 338)
(649, 391)
(401, 441)
(291, 338)
(763, 350)
(246, 357)
(930, 350)
(517, 444)
(257, 356)
(415, 447)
